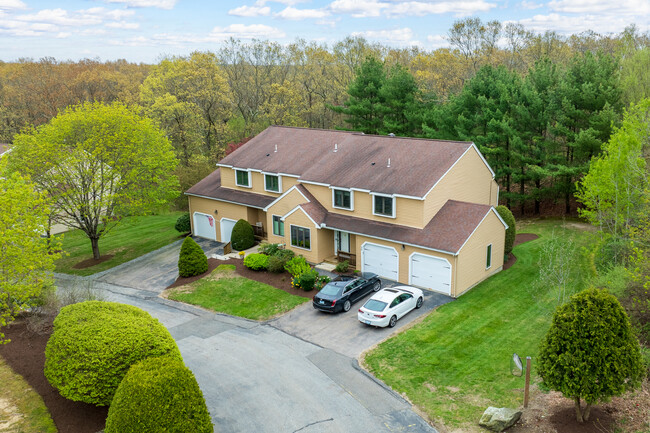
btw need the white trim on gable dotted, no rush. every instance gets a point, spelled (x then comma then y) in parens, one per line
(483, 159)
(282, 196)
(285, 216)
(492, 209)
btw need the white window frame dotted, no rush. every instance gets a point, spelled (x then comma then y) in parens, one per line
(279, 182)
(351, 208)
(291, 238)
(273, 225)
(392, 197)
(488, 256)
(250, 184)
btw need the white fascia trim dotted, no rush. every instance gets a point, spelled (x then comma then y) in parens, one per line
(372, 204)
(225, 201)
(499, 216)
(360, 190)
(351, 208)
(282, 196)
(264, 173)
(289, 175)
(224, 165)
(408, 196)
(479, 225)
(313, 183)
(483, 159)
(285, 216)
(325, 226)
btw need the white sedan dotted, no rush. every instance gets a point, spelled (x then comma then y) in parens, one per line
(386, 306)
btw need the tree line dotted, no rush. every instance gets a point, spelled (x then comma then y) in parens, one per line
(538, 106)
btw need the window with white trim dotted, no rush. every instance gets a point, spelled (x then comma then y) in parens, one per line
(488, 258)
(383, 205)
(278, 226)
(300, 237)
(242, 178)
(342, 199)
(271, 183)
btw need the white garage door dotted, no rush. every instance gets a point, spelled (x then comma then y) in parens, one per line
(430, 272)
(204, 226)
(226, 229)
(381, 260)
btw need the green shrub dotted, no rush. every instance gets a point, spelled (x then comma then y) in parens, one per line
(256, 262)
(183, 223)
(243, 236)
(342, 266)
(297, 266)
(269, 249)
(323, 279)
(308, 280)
(276, 264)
(285, 254)
(158, 395)
(511, 231)
(192, 260)
(93, 345)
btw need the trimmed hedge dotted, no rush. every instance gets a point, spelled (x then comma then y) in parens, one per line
(158, 395)
(183, 224)
(256, 262)
(511, 232)
(243, 236)
(93, 345)
(192, 260)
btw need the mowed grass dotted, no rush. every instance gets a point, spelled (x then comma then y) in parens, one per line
(134, 237)
(21, 409)
(456, 362)
(224, 292)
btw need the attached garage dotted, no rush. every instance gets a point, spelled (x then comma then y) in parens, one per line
(380, 259)
(204, 226)
(226, 229)
(430, 272)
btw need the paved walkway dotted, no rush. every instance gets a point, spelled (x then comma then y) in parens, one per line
(255, 377)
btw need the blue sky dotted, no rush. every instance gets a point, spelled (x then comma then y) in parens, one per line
(145, 30)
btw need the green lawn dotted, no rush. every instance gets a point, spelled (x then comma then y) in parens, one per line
(21, 408)
(134, 237)
(456, 362)
(238, 296)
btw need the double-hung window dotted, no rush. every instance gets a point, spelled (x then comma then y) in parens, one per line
(383, 206)
(300, 237)
(271, 183)
(242, 178)
(278, 226)
(342, 199)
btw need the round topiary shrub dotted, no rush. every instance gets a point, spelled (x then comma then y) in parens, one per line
(156, 395)
(191, 260)
(93, 345)
(183, 223)
(243, 236)
(511, 232)
(256, 262)
(276, 264)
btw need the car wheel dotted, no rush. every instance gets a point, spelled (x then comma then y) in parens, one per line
(418, 304)
(346, 306)
(392, 322)
(376, 286)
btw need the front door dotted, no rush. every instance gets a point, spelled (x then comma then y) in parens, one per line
(341, 242)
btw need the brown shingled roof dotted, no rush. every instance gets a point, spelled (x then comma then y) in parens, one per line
(360, 161)
(211, 187)
(447, 231)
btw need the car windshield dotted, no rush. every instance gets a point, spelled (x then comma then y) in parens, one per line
(331, 290)
(375, 305)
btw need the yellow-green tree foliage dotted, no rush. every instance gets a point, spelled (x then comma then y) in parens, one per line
(26, 265)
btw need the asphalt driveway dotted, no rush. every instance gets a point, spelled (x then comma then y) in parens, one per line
(342, 332)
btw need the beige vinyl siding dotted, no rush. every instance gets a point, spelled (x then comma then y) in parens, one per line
(469, 180)
(325, 244)
(280, 208)
(494, 194)
(257, 182)
(408, 212)
(224, 210)
(299, 218)
(472, 257)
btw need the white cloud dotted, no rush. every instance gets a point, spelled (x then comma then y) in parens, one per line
(437, 41)
(390, 36)
(284, 2)
(358, 8)
(639, 7)
(420, 8)
(12, 4)
(243, 31)
(160, 4)
(250, 11)
(530, 5)
(291, 13)
(63, 35)
(567, 25)
(122, 25)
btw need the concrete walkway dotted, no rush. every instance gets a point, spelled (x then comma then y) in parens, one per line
(255, 377)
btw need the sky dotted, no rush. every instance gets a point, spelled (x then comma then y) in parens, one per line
(147, 30)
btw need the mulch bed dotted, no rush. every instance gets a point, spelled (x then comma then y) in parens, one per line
(26, 356)
(92, 262)
(279, 281)
(519, 239)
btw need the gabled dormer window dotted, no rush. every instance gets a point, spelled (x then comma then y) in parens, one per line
(243, 178)
(383, 205)
(342, 199)
(272, 183)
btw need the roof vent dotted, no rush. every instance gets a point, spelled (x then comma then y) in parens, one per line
(391, 135)
(388, 163)
(336, 147)
(276, 148)
(372, 163)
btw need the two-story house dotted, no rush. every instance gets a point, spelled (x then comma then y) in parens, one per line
(416, 211)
